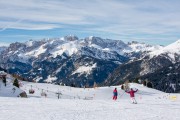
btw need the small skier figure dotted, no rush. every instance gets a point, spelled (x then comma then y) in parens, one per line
(115, 93)
(131, 92)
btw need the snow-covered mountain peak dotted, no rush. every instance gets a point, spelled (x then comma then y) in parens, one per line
(175, 47)
(172, 50)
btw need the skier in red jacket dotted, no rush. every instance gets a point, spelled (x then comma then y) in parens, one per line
(131, 92)
(115, 94)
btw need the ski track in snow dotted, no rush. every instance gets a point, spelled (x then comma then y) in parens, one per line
(152, 104)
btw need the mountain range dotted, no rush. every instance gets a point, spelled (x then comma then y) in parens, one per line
(70, 60)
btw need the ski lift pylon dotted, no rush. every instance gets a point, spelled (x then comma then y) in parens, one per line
(31, 91)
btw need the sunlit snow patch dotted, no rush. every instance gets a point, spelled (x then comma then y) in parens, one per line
(50, 79)
(84, 69)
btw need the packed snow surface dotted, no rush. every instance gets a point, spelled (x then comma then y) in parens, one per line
(89, 104)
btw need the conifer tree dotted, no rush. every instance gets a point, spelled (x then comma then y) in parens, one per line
(4, 80)
(144, 83)
(16, 83)
(122, 87)
(149, 85)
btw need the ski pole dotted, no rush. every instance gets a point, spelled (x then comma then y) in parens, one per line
(122, 94)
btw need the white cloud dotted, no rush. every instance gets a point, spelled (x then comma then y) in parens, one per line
(95, 12)
(20, 24)
(113, 16)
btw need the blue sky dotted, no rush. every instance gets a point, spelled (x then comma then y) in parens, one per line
(149, 21)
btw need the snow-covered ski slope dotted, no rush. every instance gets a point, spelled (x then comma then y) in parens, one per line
(89, 104)
(100, 93)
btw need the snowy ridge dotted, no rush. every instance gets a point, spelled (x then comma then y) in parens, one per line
(69, 48)
(36, 52)
(171, 50)
(55, 47)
